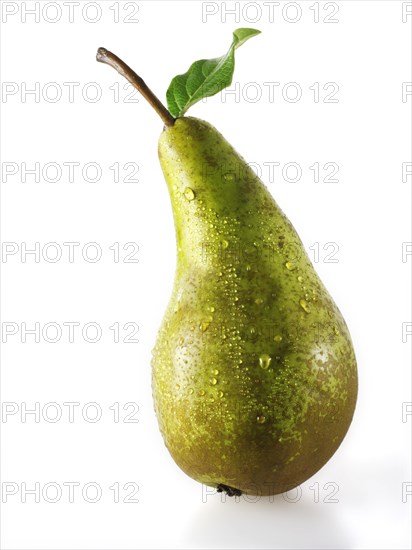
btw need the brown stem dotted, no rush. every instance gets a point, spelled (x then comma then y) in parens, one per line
(104, 56)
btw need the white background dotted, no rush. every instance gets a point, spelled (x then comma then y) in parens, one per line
(366, 213)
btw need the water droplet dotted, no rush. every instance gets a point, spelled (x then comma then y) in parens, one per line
(213, 381)
(290, 266)
(225, 243)
(212, 309)
(264, 361)
(201, 392)
(216, 372)
(189, 193)
(212, 399)
(258, 301)
(278, 338)
(191, 391)
(204, 326)
(181, 340)
(177, 387)
(304, 305)
(221, 394)
(261, 419)
(300, 278)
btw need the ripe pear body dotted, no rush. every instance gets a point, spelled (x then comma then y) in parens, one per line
(253, 373)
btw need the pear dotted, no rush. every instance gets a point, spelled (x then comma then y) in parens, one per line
(254, 375)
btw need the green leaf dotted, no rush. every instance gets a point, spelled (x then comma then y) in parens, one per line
(205, 77)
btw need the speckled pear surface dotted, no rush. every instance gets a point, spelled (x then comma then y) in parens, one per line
(254, 374)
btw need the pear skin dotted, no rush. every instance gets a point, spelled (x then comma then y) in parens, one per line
(254, 374)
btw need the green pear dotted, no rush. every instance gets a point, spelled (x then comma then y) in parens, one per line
(254, 374)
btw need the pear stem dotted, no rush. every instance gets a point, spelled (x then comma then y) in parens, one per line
(104, 56)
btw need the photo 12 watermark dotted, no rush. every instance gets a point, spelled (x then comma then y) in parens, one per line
(275, 92)
(270, 12)
(67, 92)
(71, 412)
(31, 12)
(325, 493)
(53, 332)
(273, 171)
(68, 252)
(13, 172)
(54, 492)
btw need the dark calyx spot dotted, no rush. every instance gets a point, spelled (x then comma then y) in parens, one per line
(230, 491)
